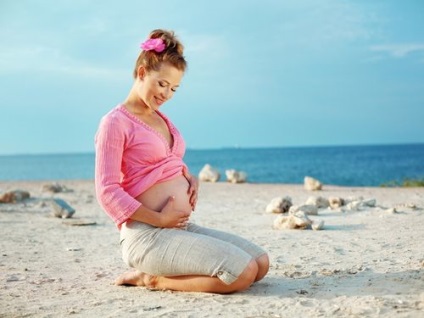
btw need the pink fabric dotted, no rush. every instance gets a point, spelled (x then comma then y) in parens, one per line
(130, 158)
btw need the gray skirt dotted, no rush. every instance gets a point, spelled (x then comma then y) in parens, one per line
(193, 251)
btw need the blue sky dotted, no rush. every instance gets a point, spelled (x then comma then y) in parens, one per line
(261, 73)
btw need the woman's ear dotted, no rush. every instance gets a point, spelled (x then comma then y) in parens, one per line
(141, 72)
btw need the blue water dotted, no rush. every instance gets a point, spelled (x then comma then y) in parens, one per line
(341, 165)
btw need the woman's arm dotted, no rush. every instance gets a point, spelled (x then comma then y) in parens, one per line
(110, 144)
(168, 217)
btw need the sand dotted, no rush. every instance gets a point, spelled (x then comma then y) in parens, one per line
(367, 263)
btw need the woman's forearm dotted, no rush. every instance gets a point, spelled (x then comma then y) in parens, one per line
(146, 215)
(168, 217)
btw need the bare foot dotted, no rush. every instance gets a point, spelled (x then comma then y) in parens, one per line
(135, 278)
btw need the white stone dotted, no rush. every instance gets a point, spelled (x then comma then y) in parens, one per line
(319, 202)
(235, 176)
(209, 174)
(369, 203)
(309, 209)
(391, 211)
(312, 184)
(335, 202)
(55, 188)
(61, 209)
(317, 225)
(279, 205)
(298, 221)
(350, 199)
(354, 206)
(14, 196)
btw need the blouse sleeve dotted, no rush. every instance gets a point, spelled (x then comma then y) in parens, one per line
(109, 145)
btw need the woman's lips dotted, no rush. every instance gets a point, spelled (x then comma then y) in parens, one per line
(159, 101)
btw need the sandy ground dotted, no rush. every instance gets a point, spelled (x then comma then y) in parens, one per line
(366, 263)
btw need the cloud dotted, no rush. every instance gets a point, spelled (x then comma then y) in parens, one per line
(327, 23)
(53, 60)
(93, 27)
(213, 46)
(72, 38)
(398, 50)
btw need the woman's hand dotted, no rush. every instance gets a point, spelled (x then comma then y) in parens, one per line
(193, 189)
(171, 218)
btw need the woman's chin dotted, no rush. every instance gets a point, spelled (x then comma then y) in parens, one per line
(154, 107)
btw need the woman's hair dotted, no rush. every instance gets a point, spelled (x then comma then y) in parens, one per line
(172, 54)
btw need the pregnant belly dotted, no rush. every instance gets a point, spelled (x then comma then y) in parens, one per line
(156, 196)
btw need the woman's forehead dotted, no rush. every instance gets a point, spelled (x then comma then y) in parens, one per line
(169, 73)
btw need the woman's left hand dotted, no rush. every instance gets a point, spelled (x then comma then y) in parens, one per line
(193, 189)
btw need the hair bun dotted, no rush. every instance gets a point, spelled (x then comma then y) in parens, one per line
(170, 40)
(154, 53)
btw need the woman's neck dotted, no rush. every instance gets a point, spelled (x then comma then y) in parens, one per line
(134, 104)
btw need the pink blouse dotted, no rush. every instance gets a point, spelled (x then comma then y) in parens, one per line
(131, 156)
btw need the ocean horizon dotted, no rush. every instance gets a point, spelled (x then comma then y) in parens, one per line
(362, 165)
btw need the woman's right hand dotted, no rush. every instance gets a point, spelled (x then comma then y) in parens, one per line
(172, 218)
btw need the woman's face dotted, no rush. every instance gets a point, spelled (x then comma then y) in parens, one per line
(157, 87)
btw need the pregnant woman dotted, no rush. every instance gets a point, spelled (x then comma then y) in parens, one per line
(144, 186)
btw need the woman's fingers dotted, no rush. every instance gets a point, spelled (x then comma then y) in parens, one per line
(193, 186)
(193, 201)
(193, 197)
(183, 223)
(192, 191)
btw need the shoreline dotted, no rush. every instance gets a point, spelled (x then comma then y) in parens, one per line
(363, 263)
(300, 184)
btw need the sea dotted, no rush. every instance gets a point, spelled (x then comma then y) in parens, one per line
(370, 165)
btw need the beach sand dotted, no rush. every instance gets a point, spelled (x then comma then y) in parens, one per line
(367, 263)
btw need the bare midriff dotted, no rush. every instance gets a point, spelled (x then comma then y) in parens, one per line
(156, 196)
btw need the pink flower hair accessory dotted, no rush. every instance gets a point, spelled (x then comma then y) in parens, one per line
(156, 45)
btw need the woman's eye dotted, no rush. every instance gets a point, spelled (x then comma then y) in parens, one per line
(173, 89)
(162, 84)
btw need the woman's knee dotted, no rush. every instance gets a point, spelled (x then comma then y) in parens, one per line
(263, 266)
(247, 277)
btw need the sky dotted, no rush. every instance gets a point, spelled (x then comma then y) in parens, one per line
(264, 73)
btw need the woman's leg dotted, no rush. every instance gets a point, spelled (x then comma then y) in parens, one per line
(263, 266)
(183, 260)
(192, 283)
(260, 256)
(137, 278)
